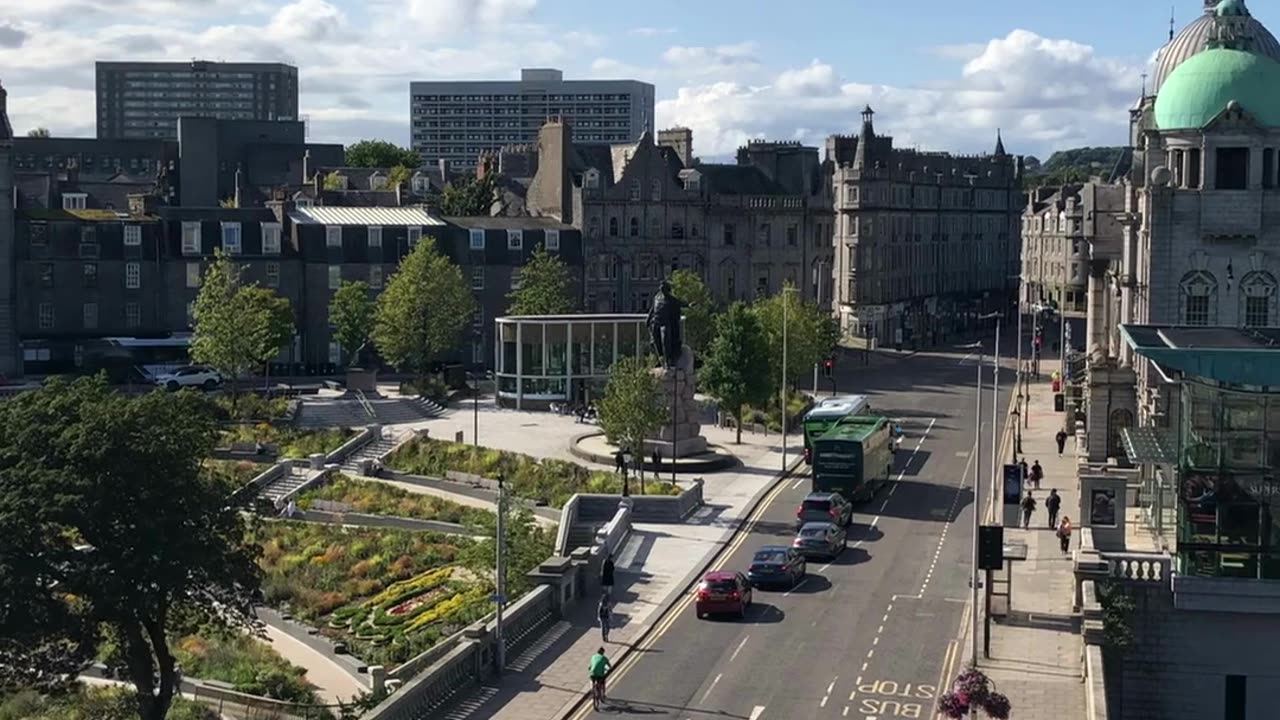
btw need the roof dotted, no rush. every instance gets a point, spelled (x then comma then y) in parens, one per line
(719, 575)
(1238, 356)
(508, 223)
(1195, 37)
(854, 428)
(1202, 87)
(838, 406)
(738, 180)
(386, 216)
(582, 317)
(221, 214)
(81, 215)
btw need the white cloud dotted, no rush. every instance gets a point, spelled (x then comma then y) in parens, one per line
(440, 18)
(816, 79)
(308, 21)
(711, 59)
(652, 31)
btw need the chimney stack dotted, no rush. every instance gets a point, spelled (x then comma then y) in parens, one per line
(6, 130)
(306, 166)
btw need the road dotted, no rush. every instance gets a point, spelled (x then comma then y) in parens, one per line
(866, 635)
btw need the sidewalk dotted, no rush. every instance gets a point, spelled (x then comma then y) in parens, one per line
(1036, 652)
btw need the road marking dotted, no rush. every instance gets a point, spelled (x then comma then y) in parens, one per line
(881, 628)
(832, 686)
(950, 516)
(797, 585)
(713, 687)
(962, 453)
(739, 648)
(756, 712)
(846, 711)
(864, 667)
(796, 484)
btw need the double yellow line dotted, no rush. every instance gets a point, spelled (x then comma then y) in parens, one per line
(675, 611)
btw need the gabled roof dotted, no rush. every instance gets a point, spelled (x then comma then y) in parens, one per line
(385, 216)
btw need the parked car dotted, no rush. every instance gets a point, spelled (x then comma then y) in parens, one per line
(777, 565)
(824, 507)
(821, 539)
(723, 591)
(190, 376)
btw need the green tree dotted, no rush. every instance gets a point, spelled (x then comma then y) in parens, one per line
(543, 286)
(423, 311)
(238, 327)
(398, 175)
(380, 153)
(111, 529)
(632, 408)
(351, 313)
(469, 196)
(335, 181)
(811, 334)
(735, 370)
(40, 132)
(700, 314)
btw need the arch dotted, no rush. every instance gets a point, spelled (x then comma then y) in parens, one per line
(634, 227)
(727, 280)
(1119, 419)
(593, 227)
(1258, 299)
(655, 190)
(1199, 298)
(613, 227)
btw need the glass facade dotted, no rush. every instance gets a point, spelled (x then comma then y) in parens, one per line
(562, 358)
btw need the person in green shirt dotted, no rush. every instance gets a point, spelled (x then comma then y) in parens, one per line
(599, 669)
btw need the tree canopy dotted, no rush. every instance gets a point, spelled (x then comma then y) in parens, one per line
(40, 132)
(351, 313)
(699, 315)
(380, 153)
(543, 286)
(735, 370)
(112, 529)
(468, 196)
(632, 407)
(423, 310)
(811, 334)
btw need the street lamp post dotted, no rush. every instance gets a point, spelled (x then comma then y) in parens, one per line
(977, 505)
(783, 398)
(626, 462)
(500, 582)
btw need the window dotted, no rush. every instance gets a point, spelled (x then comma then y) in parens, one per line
(375, 277)
(270, 238)
(90, 316)
(132, 234)
(613, 227)
(273, 274)
(553, 240)
(231, 238)
(375, 236)
(477, 238)
(132, 315)
(415, 234)
(1235, 700)
(1199, 291)
(655, 228)
(851, 194)
(633, 193)
(46, 275)
(515, 239)
(763, 233)
(477, 353)
(634, 227)
(477, 322)
(793, 235)
(1257, 293)
(593, 227)
(335, 277)
(73, 201)
(303, 202)
(333, 236)
(132, 275)
(90, 272)
(477, 278)
(193, 274)
(729, 231)
(1232, 169)
(677, 230)
(191, 238)
(655, 190)
(88, 235)
(45, 315)
(335, 352)
(39, 233)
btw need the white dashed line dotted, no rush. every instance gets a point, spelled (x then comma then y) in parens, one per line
(796, 484)
(738, 649)
(713, 687)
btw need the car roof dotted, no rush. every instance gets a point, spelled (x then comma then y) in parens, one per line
(816, 525)
(820, 495)
(720, 575)
(772, 548)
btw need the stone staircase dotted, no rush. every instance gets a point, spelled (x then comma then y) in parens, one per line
(582, 534)
(374, 449)
(287, 483)
(352, 413)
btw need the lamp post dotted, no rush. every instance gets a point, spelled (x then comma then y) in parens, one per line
(977, 505)
(626, 462)
(500, 580)
(783, 399)
(1017, 430)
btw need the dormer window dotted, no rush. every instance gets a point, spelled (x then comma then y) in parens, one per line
(634, 193)
(303, 202)
(419, 183)
(377, 181)
(73, 201)
(591, 180)
(693, 183)
(655, 190)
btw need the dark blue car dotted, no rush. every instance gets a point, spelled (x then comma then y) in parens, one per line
(776, 565)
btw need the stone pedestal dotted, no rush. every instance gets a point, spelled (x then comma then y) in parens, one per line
(363, 380)
(681, 434)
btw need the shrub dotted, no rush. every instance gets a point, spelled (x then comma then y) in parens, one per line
(375, 498)
(248, 664)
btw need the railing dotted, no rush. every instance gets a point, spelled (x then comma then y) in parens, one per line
(610, 537)
(364, 403)
(1139, 567)
(255, 486)
(350, 447)
(568, 516)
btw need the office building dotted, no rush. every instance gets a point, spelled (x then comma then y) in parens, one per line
(145, 99)
(458, 120)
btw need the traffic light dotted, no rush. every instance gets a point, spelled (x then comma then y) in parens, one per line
(827, 366)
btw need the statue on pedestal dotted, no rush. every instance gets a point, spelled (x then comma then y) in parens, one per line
(664, 325)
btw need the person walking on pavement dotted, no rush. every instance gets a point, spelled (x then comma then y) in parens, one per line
(1052, 503)
(599, 670)
(606, 577)
(1028, 507)
(1061, 437)
(1064, 533)
(1037, 474)
(1026, 472)
(619, 462)
(604, 615)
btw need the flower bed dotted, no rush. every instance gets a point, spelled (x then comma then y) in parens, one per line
(375, 498)
(293, 443)
(88, 702)
(248, 664)
(550, 481)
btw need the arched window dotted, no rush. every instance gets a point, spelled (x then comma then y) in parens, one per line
(613, 227)
(1258, 299)
(729, 280)
(635, 227)
(655, 190)
(677, 230)
(634, 191)
(1119, 420)
(1199, 298)
(593, 227)
(655, 228)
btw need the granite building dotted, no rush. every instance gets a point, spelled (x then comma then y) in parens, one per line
(145, 99)
(10, 358)
(926, 241)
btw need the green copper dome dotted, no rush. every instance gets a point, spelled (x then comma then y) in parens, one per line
(1201, 87)
(1231, 8)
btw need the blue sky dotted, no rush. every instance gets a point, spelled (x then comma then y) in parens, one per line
(942, 75)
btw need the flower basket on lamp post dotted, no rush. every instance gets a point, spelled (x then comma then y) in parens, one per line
(972, 689)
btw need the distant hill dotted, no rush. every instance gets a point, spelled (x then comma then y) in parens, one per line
(1073, 165)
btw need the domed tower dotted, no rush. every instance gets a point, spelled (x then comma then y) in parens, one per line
(1195, 37)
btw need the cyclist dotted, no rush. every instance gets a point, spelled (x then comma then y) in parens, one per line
(600, 667)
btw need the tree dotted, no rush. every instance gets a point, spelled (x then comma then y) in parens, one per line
(40, 132)
(811, 334)
(736, 369)
(112, 530)
(423, 310)
(238, 328)
(398, 175)
(351, 313)
(543, 286)
(335, 181)
(699, 315)
(468, 197)
(632, 407)
(380, 153)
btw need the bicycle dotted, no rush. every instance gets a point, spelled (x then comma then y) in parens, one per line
(597, 692)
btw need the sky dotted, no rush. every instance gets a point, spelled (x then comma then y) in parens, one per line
(940, 74)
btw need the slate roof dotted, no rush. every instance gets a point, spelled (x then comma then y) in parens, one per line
(509, 223)
(738, 180)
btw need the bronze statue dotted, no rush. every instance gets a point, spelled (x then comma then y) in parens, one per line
(664, 325)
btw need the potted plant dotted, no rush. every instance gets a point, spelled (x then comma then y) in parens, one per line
(970, 689)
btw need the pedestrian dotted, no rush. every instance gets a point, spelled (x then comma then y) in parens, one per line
(1037, 474)
(1061, 437)
(1026, 472)
(1064, 533)
(603, 614)
(657, 459)
(1052, 503)
(619, 462)
(606, 576)
(1028, 507)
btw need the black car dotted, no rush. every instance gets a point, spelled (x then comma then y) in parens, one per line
(821, 539)
(777, 565)
(824, 507)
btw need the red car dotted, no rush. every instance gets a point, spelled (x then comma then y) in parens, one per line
(723, 592)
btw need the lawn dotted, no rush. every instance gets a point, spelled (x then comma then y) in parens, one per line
(391, 594)
(88, 702)
(293, 442)
(247, 663)
(375, 498)
(550, 481)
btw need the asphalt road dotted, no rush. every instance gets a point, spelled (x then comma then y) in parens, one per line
(866, 635)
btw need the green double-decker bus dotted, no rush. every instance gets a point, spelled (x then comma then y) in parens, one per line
(827, 413)
(854, 457)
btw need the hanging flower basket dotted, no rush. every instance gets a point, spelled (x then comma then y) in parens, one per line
(972, 688)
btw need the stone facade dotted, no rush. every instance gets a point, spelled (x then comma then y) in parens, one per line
(10, 358)
(1058, 226)
(680, 435)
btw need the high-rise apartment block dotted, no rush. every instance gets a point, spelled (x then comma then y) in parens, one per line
(145, 99)
(456, 121)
